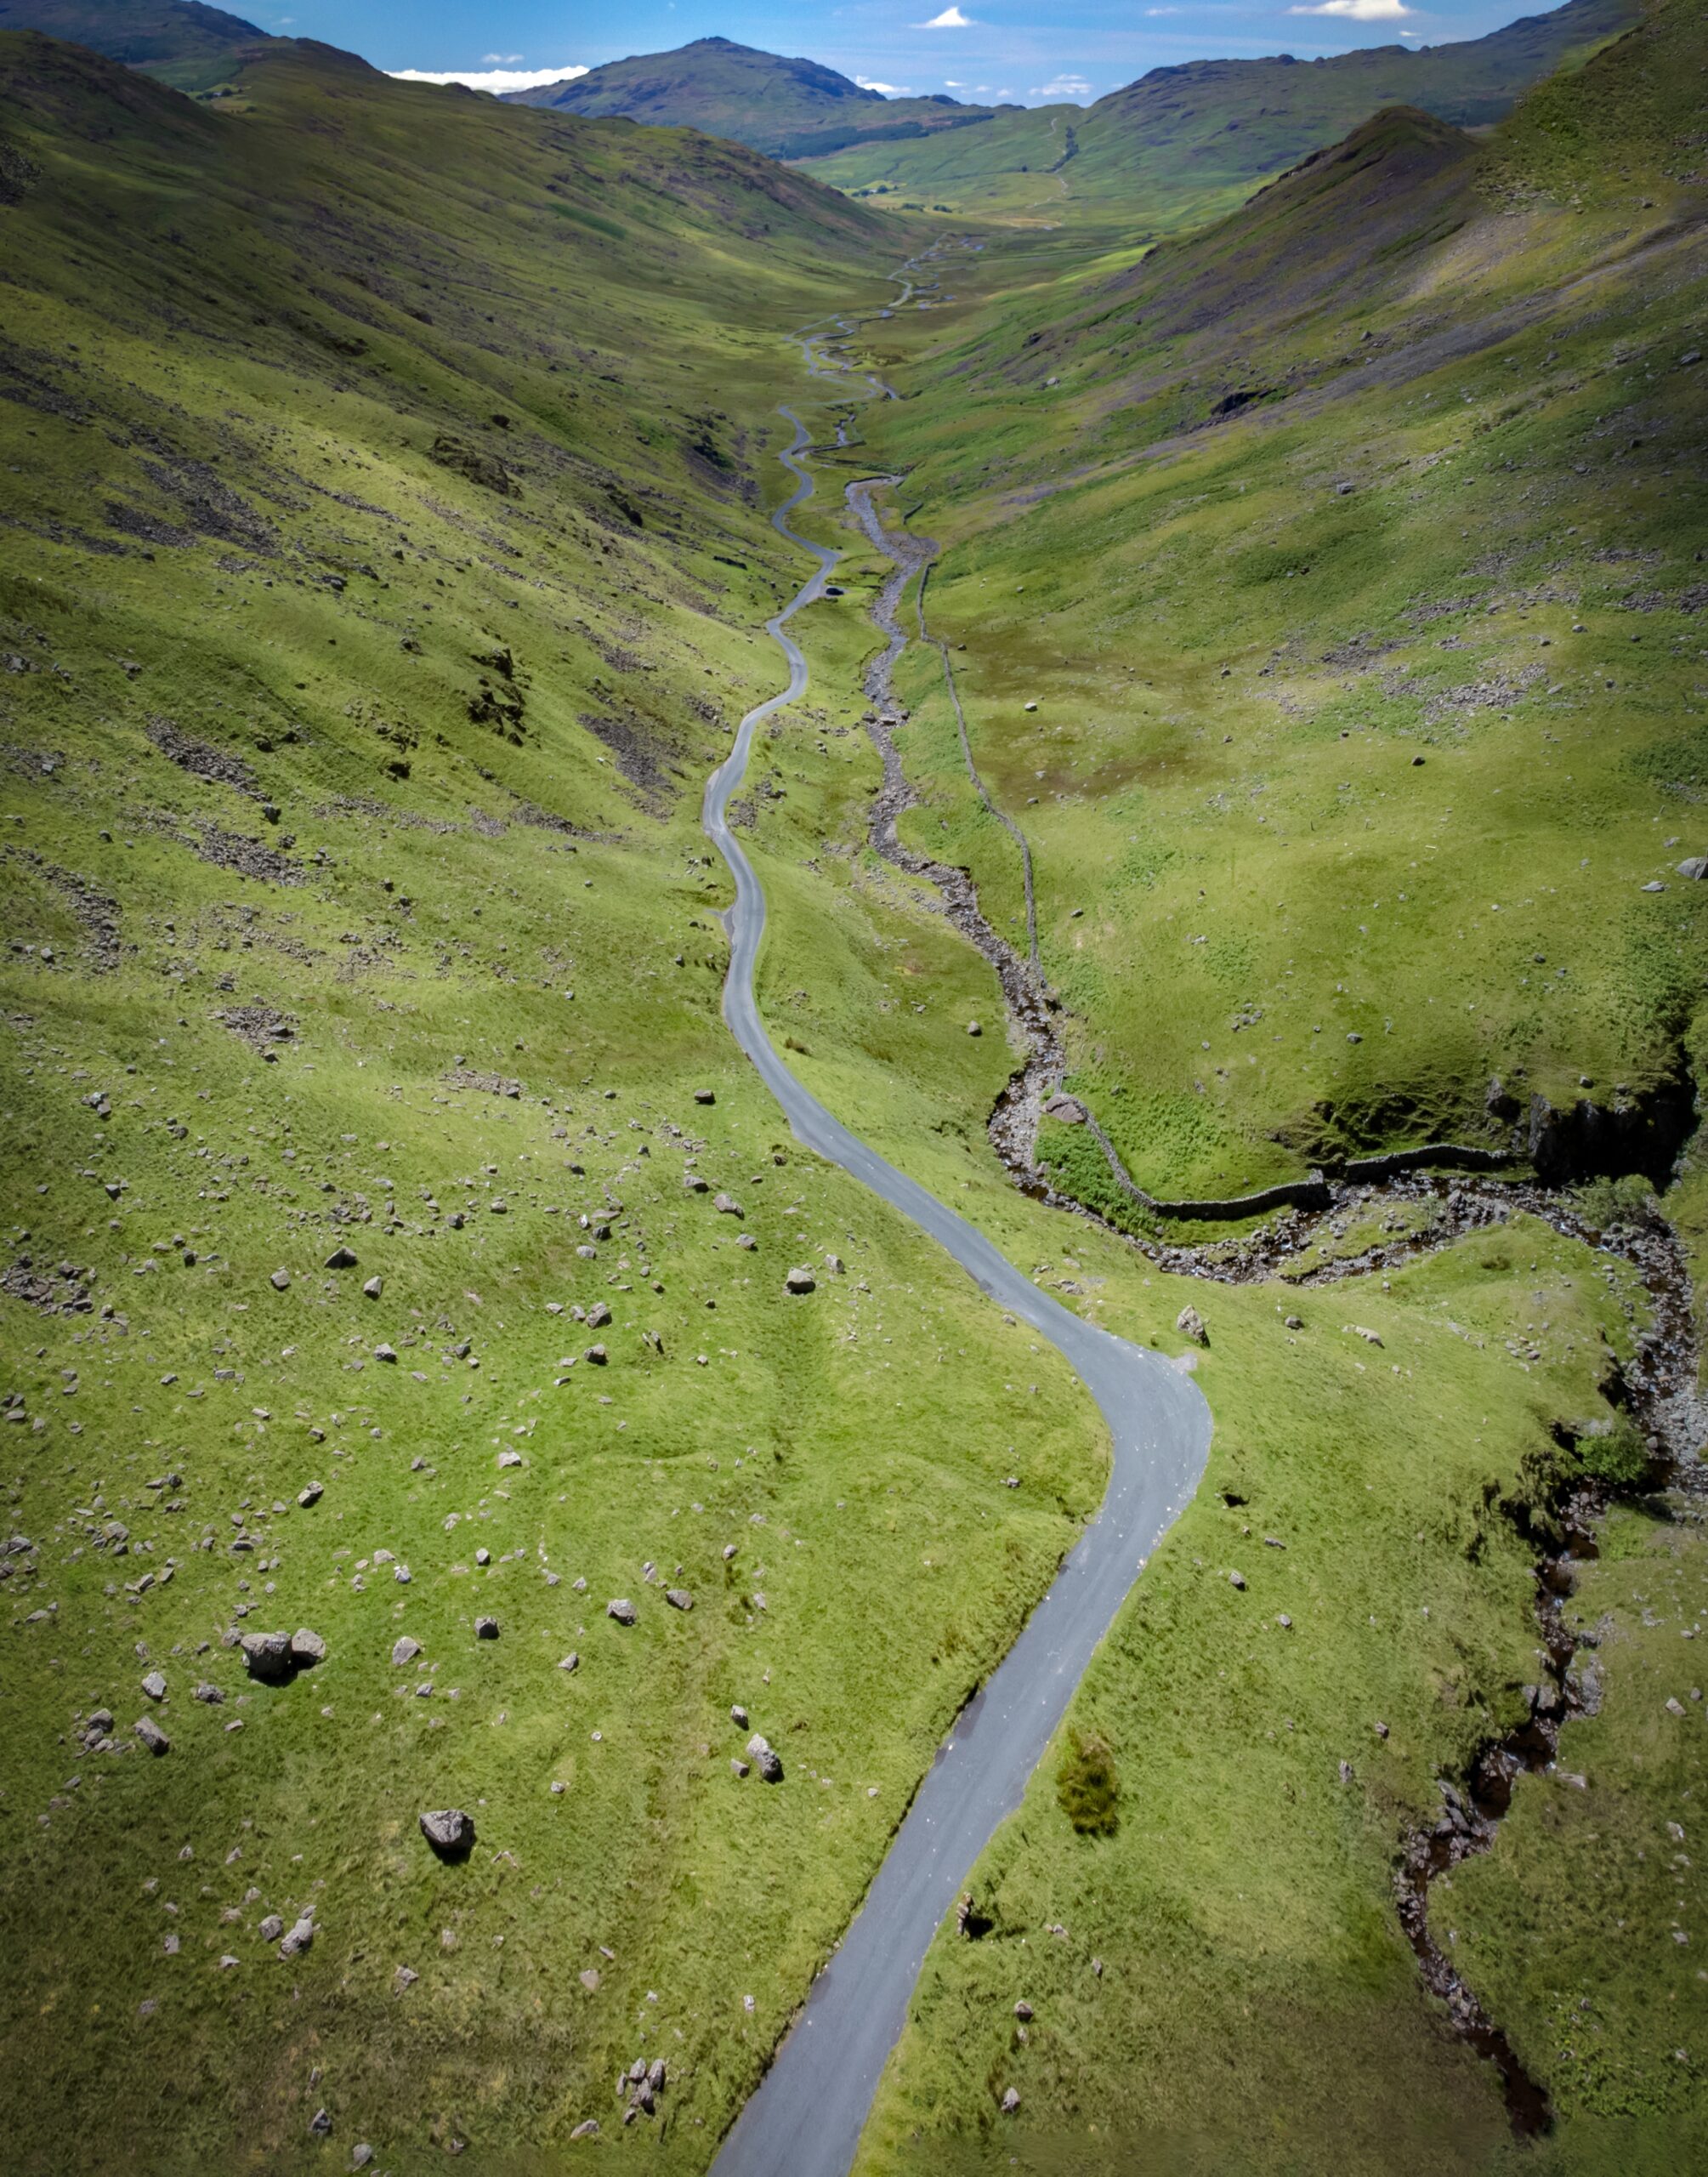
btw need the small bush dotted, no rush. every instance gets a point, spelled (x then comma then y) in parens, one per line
(1088, 1785)
(1622, 1459)
(1604, 1203)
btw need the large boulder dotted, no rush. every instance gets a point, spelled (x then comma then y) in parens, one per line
(268, 1655)
(449, 1831)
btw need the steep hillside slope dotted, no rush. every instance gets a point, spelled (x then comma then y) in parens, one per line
(182, 41)
(382, 557)
(1387, 461)
(790, 109)
(1190, 137)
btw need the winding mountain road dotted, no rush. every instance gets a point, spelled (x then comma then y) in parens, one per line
(806, 2118)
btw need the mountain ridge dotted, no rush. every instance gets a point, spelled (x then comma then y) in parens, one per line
(789, 108)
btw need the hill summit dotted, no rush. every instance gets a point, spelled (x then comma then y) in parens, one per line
(789, 108)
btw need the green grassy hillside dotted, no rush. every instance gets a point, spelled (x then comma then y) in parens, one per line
(181, 41)
(383, 549)
(384, 562)
(1199, 135)
(1390, 486)
(790, 108)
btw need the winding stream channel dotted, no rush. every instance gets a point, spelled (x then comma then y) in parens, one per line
(806, 2118)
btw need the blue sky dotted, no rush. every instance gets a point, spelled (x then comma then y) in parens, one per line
(1028, 50)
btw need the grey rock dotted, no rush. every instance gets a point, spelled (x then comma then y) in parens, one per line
(404, 1651)
(1023, 2011)
(705, 1096)
(485, 1628)
(727, 1205)
(271, 1927)
(341, 1259)
(764, 1759)
(586, 2129)
(320, 2124)
(1068, 1110)
(597, 1355)
(1190, 1324)
(386, 1353)
(678, 1598)
(973, 1028)
(449, 1831)
(738, 1716)
(598, 1315)
(622, 1610)
(509, 1459)
(149, 1734)
(213, 1695)
(360, 2155)
(268, 1655)
(1696, 868)
(298, 1939)
(280, 1280)
(307, 1648)
(801, 1280)
(311, 1495)
(374, 1288)
(154, 1685)
(571, 1661)
(1011, 2102)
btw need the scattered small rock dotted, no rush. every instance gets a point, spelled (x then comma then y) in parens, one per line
(405, 1651)
(622, 1610)
(485, 1628)
(1190, 1324)
(801, 1280)
(149, 1734)
(764, 1759)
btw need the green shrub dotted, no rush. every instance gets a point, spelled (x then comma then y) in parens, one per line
(1087, 1785)
(1620, 1458)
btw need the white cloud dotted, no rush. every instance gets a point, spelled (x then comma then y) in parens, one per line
(951, 19)
(1162, 11)
(1062, 90)
(1360, 11)
(884, 90)
(500, 59)
(491, 79)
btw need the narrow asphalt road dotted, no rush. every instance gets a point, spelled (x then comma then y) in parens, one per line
(806, 2118)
